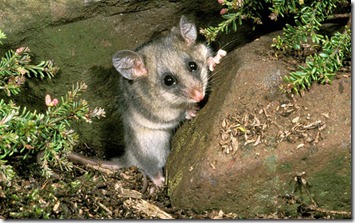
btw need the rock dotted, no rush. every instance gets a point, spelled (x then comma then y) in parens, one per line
(129, 22)
(304, 138)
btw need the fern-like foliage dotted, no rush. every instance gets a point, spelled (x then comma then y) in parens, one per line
(24, 132)
(327, 53)
(321, 67)
(16, 66)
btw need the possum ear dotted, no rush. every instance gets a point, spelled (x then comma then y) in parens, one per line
(188, 30)
(129, 64)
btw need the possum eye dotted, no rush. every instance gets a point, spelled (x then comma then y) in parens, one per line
(169, 80)
(192, 66)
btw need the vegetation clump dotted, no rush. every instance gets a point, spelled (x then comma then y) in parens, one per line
(327, 54)
(29, 132)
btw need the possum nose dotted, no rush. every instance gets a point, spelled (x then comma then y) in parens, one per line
(196, 95)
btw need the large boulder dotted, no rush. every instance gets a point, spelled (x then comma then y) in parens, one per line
(251, 146)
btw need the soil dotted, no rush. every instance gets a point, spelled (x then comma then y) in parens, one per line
(85, 193)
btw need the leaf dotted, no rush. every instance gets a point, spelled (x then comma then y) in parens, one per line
(324, 55)
(234, 26)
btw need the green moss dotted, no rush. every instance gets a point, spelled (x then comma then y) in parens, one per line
(77, 44)
(286, 167)
(331, 187)
(271, 163)
(173, 182)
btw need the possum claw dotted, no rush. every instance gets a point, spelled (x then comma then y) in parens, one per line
(191, 112)
(212, 61)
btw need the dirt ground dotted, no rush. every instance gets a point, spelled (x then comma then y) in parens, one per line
(84, 193)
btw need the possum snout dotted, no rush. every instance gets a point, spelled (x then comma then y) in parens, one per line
(196, 94)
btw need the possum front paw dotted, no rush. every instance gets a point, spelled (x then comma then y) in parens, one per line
(212, 61)
(191, 112)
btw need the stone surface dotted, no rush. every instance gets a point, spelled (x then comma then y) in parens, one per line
(253, 179)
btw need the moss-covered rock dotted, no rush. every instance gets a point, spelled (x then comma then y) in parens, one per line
(305, 138)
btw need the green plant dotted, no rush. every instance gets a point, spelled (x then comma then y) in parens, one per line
(2, 36)
(321, 67)
(327, 53)
(308, 22)
(15, 66)
(27, 132)
(233, 13)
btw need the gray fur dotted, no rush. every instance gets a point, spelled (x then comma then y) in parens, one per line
(150, 109)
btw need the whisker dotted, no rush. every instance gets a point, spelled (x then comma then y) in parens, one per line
(216, 74)
(227, 44)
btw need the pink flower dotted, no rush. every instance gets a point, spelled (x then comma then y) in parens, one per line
(220, 2)
(55, 102)
(20, 50)
(223, 11)
(49, 102)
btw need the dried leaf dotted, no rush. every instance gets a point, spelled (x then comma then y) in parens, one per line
(249, 141)
(257, 141)
(235, 144)
(56, 207)
(295, 120)
(322, 127)
(325, 115)
(224, 123)
(300, 146)
(313, 125)
(225, 136)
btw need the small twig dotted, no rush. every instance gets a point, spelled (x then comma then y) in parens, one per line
(322, 210)
(147, 208)
(339, 16)
(310, 196)
(109, 212)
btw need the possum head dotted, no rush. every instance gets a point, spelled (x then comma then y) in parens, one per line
(175, 66)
